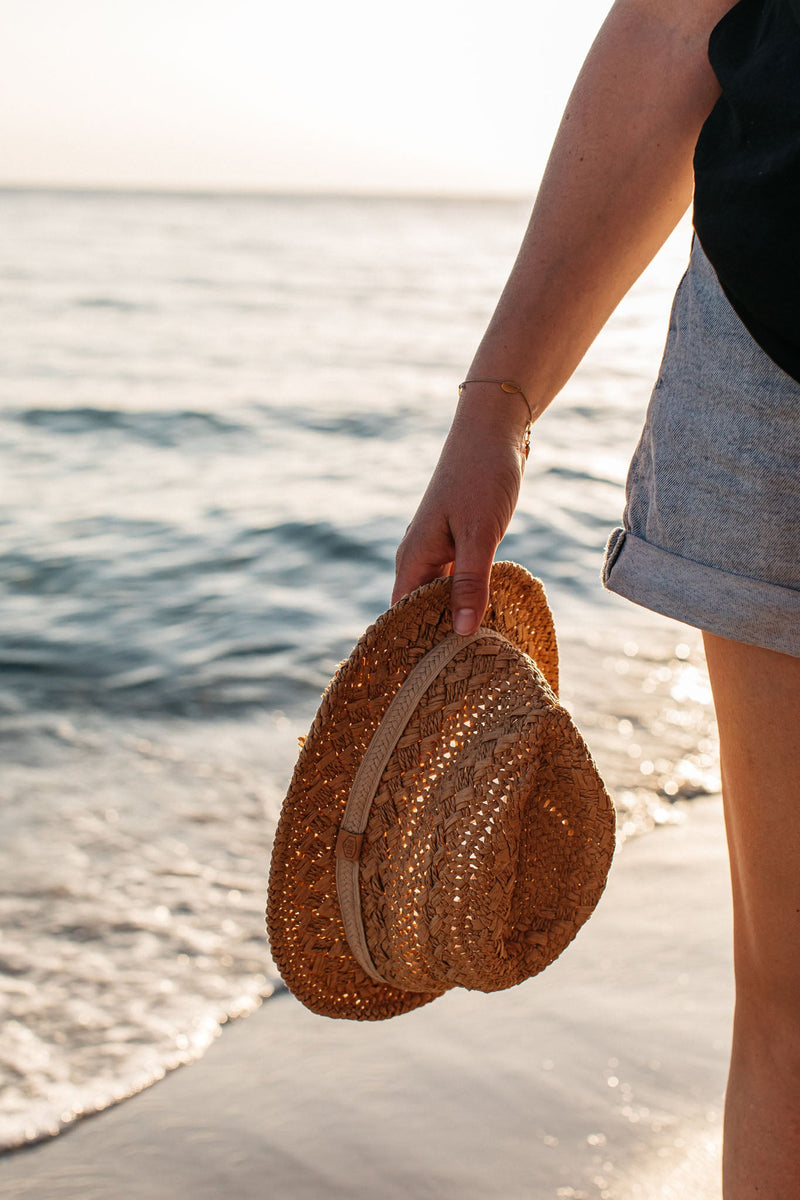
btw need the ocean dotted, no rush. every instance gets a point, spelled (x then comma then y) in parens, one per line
(217, 414)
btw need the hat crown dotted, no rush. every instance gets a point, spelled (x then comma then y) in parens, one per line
(450, 891)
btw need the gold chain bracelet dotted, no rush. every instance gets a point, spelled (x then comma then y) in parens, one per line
(513, 389)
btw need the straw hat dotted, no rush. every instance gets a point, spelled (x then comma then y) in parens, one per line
(445, 825)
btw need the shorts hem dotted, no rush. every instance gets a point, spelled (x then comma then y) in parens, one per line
(731, 606)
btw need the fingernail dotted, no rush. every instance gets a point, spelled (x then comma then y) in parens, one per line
(464, 620)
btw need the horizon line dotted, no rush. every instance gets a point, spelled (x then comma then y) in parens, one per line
(262, 192)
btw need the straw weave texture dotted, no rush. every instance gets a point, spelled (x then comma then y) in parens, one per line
(490, 834)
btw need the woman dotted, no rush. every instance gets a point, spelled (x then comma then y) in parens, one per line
(619, 177)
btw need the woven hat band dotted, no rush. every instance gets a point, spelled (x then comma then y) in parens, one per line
(368, 777)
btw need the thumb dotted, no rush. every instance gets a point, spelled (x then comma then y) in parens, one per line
(469, 594)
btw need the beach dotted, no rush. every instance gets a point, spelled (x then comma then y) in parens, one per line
(601, 1078)
(218, 413)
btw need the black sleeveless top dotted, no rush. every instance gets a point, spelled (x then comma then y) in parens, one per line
(747, 172)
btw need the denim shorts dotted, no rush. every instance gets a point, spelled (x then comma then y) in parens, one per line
(711, 527)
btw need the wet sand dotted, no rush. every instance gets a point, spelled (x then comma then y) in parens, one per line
(603, 1078)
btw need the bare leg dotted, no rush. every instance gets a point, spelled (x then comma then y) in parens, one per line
(757, 699)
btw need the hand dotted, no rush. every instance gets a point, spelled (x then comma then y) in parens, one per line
(465, 511)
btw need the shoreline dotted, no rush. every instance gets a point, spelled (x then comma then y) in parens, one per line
(601, 1079)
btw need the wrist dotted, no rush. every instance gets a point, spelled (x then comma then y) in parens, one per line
(510, 387)
(496, 406)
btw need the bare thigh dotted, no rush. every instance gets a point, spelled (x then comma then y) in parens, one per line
(757, 700)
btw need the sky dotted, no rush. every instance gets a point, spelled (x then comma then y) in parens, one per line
(299, 95)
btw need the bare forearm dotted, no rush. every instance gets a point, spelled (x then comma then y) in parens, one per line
(618, 180)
